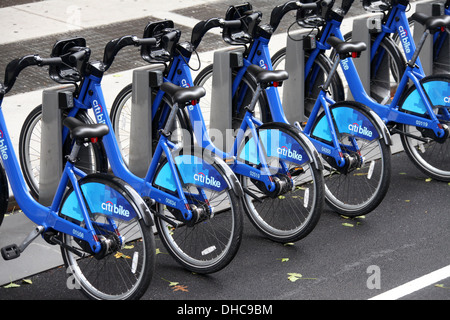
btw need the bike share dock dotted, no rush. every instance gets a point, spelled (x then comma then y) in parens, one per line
(39, 256)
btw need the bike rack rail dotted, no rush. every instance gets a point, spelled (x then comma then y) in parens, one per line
(54, 100)
(141, 118)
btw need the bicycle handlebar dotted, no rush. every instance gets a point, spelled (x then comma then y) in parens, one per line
(16, 66)
(280, 11)
(204, 26)
(115, 45)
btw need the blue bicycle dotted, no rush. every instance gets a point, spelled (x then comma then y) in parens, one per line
(356, 165)
(193, 195)
(101, 224)
(440, 41)
(279, 169)
(419, 109)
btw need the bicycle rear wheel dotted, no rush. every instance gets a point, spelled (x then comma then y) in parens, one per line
(360, 186)
(92, 158)
(292, 210)
(124, 268)
(210, 240)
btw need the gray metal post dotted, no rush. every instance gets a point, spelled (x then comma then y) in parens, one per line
(220, 117)
(140, 153)
(361, 32)
(426, 54)
(51, 142)
(293, 89)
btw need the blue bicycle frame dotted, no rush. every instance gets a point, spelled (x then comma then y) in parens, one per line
(47, 217)
(388, 113)
(180, 75)
(91, 96)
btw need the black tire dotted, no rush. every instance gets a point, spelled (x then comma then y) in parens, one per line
(126, 270)
(4, 193)
(92, 158)
(361, 189)
(432, 157)
(241, 99)
(120, 118)
(209, 244)
(292, 214)
(384, 80)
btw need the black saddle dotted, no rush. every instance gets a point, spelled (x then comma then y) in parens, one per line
(432, 23)
(182, 95)
(82, 131)
(266, 76)
(345, 49)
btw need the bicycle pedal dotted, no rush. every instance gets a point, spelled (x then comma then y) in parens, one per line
(10, 252)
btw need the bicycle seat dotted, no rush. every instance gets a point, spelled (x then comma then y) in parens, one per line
(81, 131)
(432, 23)
(266, 76)
(182, 95)
(346, 48)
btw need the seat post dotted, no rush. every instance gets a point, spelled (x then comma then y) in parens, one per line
(251, 106)
(333, 70)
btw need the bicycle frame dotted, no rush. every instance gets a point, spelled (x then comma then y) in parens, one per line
(91, 96)
(388, 113)
(180, 75)
(46, 217)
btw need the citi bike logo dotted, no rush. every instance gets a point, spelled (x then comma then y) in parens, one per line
(113, 208)
(404, 38)
(361, 130)
(184, 83)
(284, 151)
(98, 110)
(447, 99)
(201, 177)
(262, 64)
(344, 64)
(3, 147)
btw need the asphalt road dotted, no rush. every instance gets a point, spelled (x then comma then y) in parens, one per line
(406, 237)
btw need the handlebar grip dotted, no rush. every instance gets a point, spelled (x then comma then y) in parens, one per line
(50, 61)
(77, 56)
(231, 23)
(146, 41)
(309, 6)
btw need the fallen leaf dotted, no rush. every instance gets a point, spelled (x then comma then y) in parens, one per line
(284, 259)
(12, 285)
(294, 276)
(281, 197)
(27, 281)
(348, 225)
(428, 180)
(180, 288)
(407, 200)
(288, 244)
(121, 255)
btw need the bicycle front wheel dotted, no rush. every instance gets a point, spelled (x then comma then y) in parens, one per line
(291, 211)
(361, 184)
(125, 266)
(209, 241)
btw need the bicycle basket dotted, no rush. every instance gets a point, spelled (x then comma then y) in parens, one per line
(376, 5)
(68, 72)
(163, 50)
(243, 34)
